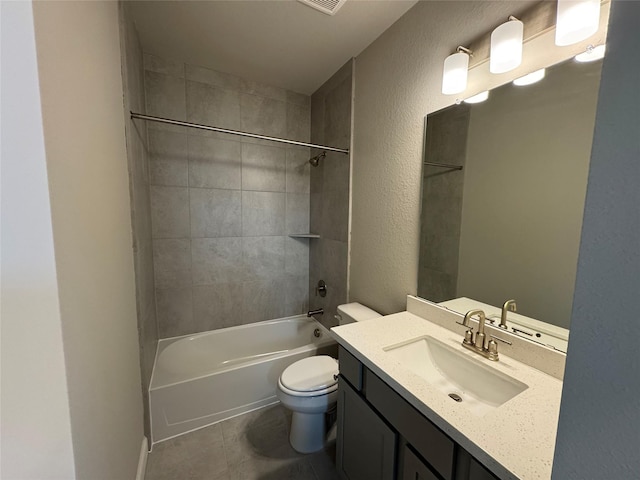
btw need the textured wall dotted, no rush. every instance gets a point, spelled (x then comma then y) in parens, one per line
(222, 205)
(136, 133)
(82, 93)
(598, 431)
(330, 125)
(36, 428)
(398, 80)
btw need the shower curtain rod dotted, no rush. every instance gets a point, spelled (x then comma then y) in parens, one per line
(235, 132)
(443, 165)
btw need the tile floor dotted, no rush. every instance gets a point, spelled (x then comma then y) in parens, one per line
(254, 446)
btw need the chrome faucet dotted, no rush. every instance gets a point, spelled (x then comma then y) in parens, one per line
(477, 343)
(509, 306)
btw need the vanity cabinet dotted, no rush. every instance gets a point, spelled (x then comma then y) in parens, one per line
(382, 436)
(367, 446)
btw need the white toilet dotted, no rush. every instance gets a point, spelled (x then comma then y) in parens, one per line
(309, 388)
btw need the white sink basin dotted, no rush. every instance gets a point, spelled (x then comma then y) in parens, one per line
(471, 382)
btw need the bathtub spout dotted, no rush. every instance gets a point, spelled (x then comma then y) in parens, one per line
(317, 311)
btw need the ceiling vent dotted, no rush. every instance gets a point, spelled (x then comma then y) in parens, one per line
(330, 7)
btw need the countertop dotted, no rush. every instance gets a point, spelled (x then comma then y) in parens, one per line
(516, 440)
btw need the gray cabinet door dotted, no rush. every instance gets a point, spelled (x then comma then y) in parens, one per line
(365, 444)
(413, 467)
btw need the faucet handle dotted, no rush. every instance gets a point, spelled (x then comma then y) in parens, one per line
(468, 335)
(468, 326)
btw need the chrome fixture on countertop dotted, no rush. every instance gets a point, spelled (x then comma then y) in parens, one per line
(477, 344)
(509, 306)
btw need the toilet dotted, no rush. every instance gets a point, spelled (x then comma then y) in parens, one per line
(309, 388)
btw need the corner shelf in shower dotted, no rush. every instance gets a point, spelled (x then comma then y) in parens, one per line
(304, 235)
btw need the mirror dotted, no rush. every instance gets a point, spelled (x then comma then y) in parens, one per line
(507, 225)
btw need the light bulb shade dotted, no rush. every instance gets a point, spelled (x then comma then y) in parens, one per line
(479, 98)
(454, 76)
(506, 47)
(591, 54)
(530, 78)
(576, 20)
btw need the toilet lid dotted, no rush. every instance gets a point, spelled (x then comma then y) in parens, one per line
(310, 374)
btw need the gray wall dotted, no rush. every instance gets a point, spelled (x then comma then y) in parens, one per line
(78, 45)
(221, 205)
(441, 215)
(524, 200)
(331, 125)
(598, 431)
(397, 82)
(136, 133)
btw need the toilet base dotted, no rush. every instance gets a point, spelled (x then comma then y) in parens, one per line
(307, 432)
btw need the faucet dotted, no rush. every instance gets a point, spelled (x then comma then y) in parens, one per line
(477, 344)
(317, 311)
(509, 306)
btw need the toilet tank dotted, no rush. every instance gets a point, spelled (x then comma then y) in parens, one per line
(355, 312)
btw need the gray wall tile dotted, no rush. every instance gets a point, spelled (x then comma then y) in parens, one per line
(263, 256)
(263, 213)
(168, 158)
(297, 213)
(217, 260)
(219, 205)
(170, 212)
(212, 77)
(263, 168)
(263, 115)
(296, 255)
(212, 106)
(166, 66)
(165, 96)
(335, 215)
(298, 98)
(172, 262)
(214, 163)
(262, 90)
(175, 311)
(215, 213)
(262, 300)
(296, 294)
(217, 306)
(298, 122)
(298, 170)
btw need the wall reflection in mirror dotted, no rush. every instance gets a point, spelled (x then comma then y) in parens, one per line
(507, 226)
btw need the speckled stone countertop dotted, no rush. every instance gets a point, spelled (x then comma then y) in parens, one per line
(516, 440)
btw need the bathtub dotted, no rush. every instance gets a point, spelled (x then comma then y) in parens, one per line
(208, 377)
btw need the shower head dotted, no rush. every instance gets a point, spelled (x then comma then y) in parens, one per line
(315, 161)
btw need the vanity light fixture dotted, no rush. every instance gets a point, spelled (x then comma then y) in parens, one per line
(480, 97)
(591, 54)
(454, 76)
(576, 20)
(506, 46)
(530, 78)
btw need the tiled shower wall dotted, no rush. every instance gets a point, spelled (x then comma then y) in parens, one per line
(442, 203)
(331, 107)
(136, 134)
(221, 205)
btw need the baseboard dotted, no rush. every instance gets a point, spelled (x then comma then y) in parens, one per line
(142, 461)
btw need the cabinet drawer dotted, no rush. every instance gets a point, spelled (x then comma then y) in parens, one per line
(427, 439)
(350, 368)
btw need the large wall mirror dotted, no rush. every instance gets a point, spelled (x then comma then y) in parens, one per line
(507, 225)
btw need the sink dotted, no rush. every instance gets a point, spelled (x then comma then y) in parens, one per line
(472, 383)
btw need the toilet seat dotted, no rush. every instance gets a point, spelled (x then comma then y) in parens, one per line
(310, 377)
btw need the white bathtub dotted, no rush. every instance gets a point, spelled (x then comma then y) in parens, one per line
(208, 377)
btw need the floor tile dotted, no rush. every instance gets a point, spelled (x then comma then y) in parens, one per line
(253, 446)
